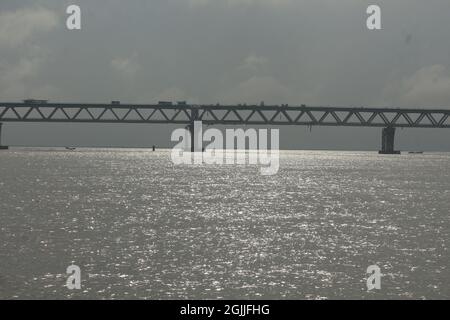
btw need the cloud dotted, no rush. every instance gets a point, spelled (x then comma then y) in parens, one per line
(259, 2)
(257, 89)
(126, 66)
(427, 87)
(22, 55)
(254, 63)
(196, 3)
(17, 27)
(18, 80)
(252, 82)
(175, 94)
(13, 77)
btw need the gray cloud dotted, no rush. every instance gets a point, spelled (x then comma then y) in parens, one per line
(18, 26)
(429, 86)
(21, 59)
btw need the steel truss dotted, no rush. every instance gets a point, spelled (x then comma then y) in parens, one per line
(225, 115)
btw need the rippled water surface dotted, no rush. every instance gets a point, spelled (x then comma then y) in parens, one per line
(140, 227)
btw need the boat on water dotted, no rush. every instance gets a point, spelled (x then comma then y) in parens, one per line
(416, 152)
(70, 148)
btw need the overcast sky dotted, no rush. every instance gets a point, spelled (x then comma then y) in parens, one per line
(314, 52)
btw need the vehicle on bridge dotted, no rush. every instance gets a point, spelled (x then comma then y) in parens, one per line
(35, 101)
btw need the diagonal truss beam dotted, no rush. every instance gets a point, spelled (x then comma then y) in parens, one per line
(225, 115)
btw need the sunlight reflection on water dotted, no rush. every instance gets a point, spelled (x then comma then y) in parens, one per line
(140, 227)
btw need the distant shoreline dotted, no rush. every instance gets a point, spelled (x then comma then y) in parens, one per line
(167, 149)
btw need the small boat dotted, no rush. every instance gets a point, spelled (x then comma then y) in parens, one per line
(71, 148)
(416, 152)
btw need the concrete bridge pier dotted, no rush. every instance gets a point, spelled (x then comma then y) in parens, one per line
(191, 127)
(191, 131)
(387, 141)
(2, 147)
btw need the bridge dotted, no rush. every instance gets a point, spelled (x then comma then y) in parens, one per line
(252, 115)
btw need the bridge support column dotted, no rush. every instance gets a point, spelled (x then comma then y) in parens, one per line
(387, 141)
(2, 147)
(194, 133)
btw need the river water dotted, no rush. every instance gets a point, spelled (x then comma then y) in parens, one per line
(140, 227)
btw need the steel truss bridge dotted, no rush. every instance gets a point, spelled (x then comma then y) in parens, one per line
(252, 115)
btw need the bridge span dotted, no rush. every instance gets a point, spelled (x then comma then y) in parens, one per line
(252, 115)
